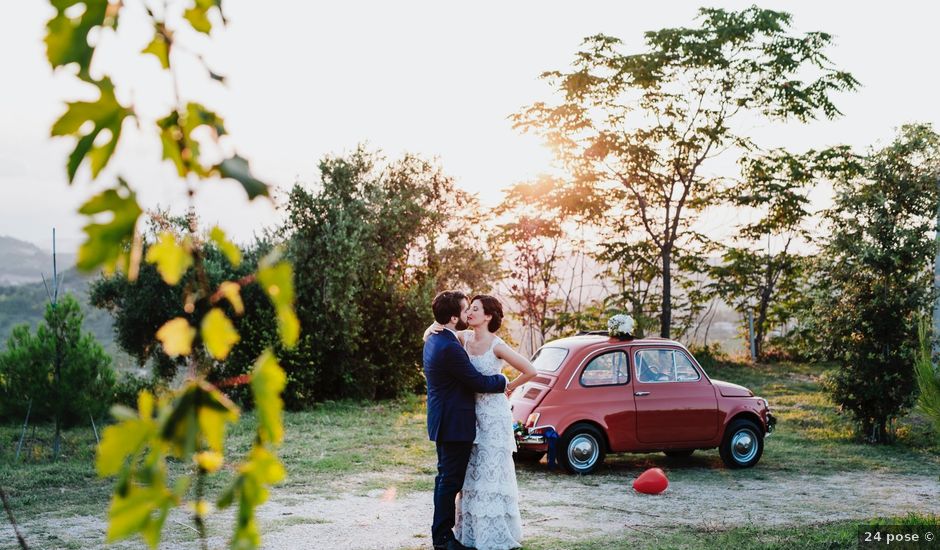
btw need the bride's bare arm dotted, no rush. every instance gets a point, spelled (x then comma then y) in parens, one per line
(433, 329)
(437, 327)
(517, 362)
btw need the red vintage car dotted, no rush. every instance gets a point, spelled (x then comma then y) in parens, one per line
(606, 395)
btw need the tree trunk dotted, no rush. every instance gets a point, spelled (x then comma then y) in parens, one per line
(936, 284)
(882, 435)
(638, 330)
(759, 330)
(665, 320)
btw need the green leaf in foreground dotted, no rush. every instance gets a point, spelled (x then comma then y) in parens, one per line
(143, 509)
(227, 247)
(159, 46)
(176, 135)
(171, 258)
(218, 333)
(67, 37)
(126, 438)
(177, 336)
(112, 242)
(237, 169)
(267, 382)
(198, 416)
(277, 280)
(198, 15)
(106, 117)
(262, 467)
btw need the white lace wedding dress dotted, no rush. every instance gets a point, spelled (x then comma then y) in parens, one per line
(488, 509)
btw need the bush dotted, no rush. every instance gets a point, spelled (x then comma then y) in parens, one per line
(875, 279)
(367, 264)
(709, 356)
(365, 246)
(129, 386)
(27, 369)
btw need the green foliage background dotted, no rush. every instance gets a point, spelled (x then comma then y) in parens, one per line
(27, 369)
(371, 242)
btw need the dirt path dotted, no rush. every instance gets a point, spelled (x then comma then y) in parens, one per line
(551, 505)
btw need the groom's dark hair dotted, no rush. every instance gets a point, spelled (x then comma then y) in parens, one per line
(446, 305)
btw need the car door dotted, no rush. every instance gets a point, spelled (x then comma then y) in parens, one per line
(675, 403)
(605, 390)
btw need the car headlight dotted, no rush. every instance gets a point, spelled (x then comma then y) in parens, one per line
(766, 403)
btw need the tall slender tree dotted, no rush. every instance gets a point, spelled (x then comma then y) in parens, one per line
(651, 123)
(764, 263)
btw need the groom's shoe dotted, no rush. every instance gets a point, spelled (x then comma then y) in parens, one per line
(454, 544)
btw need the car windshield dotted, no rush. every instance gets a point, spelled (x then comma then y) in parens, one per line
(549, 359)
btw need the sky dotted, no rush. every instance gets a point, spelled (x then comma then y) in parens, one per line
(439, 79)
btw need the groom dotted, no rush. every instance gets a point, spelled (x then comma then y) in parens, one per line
(452, 385)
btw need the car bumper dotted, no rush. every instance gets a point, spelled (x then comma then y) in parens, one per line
(532, 442)
(528, 440)
(771, 423)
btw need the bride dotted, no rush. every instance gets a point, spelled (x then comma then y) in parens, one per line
(488, 506)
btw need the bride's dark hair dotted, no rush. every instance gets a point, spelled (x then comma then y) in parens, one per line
(492, 307)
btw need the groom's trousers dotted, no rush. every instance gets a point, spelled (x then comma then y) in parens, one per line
(452, 460)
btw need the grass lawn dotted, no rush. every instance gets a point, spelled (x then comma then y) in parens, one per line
(351, 447)
(814, 437)
(323, 447)
(842, 534)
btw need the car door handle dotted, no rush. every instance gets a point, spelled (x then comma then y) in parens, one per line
(641, 393)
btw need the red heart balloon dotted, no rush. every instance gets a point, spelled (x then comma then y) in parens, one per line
(651, 482)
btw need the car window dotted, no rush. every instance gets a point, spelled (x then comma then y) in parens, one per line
(606, 369)
(549, 359)
(664, 365)
(685, 370)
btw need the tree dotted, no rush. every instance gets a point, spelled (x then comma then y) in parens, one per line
(875, 280)
(650, 124)
(372, 243)
(532, 250)
(761, 269)
(632, 269)
(27, 378)
(139, 308)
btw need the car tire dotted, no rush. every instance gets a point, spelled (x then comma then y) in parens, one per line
(527, 457)
(742, 445)
(582, 449)
(686, 453)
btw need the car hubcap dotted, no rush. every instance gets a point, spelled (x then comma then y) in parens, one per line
(583, 451)
(744, 446)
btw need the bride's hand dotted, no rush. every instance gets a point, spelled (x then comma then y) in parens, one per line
(436, 327)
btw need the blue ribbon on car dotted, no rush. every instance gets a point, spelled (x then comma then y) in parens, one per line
(552, 437)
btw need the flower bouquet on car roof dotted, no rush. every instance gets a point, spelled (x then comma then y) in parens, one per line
(620, 326)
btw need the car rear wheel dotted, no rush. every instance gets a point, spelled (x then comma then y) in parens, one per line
(523, 456)
(742, 445)
(582, 449)
(679, 454)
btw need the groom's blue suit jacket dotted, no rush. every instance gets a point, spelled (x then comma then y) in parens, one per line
(453, 383)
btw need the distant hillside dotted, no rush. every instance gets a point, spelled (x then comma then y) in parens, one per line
(22, 262)
(26, 303)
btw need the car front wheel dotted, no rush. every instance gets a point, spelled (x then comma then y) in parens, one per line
(582, 449)
(742, 445)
